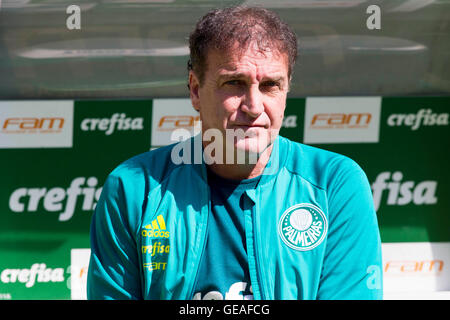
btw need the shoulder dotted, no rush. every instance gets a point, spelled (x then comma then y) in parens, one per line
(150, 166)
(132, 180)
(127, 187)
(318, 166)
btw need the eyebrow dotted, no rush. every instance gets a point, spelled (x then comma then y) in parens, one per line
(232, 76)
(279, 79)
(276, 78)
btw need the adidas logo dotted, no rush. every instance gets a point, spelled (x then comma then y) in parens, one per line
(156, 229)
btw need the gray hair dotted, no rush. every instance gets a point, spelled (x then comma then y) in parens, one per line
(220, 29)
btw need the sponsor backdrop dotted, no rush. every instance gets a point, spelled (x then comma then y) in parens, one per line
(56, 155)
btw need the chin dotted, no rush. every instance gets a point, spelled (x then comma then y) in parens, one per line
(252, 145)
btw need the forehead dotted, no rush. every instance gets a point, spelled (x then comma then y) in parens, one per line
(251, 62)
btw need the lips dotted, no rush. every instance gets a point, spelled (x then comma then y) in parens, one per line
(247, 126)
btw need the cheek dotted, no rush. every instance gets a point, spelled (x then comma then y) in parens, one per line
(276, 112)
(231, 104)
(227, 107)
(218, 109)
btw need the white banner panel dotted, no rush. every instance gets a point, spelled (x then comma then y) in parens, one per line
(169, 115)
(36, 124)
(342, 119)
(416, 267)
(79, 259)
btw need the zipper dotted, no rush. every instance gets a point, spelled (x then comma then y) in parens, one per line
(203, 234)
(253, 250)
(256, 249)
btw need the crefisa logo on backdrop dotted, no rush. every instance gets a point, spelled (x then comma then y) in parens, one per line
(117, 122)
(424, 117)
(342, 120)
(36, 124)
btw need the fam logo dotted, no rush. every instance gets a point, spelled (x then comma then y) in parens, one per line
(413, 267)
(342, 119)
(416, 267)
(303, 227)
(173, 122)
(33, 125)
(169, 115)
(36, 124)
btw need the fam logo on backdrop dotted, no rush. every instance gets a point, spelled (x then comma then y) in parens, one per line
(342, 119)
(36, 124)
(169, 115)
(416, 267)
(79, 266)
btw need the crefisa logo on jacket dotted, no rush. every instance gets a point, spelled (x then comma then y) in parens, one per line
(303, 227)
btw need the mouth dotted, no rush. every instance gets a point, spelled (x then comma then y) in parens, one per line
(249, 126)
(248, 131)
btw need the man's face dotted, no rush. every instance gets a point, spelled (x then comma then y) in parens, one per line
(244, 91)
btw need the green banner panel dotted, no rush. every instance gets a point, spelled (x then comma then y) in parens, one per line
(47, 195)
(407, 167)
(56, 155)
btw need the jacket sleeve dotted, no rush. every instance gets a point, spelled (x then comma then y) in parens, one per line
(114, 271)
(352, 267)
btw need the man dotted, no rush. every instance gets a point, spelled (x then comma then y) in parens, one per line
(297, 222)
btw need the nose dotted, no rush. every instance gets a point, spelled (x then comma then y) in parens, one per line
(253, 104)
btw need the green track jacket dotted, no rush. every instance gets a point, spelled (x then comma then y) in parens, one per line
(312, 232)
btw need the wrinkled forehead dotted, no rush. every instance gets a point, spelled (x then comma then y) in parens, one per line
(251, 58)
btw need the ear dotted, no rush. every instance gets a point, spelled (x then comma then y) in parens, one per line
(194, 86)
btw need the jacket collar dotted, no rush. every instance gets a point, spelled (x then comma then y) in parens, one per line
(276, 161)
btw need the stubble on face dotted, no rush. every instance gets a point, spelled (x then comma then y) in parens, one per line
(244, 91)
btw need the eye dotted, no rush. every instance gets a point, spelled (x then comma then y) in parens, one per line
(234, 82)
(269, 85)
